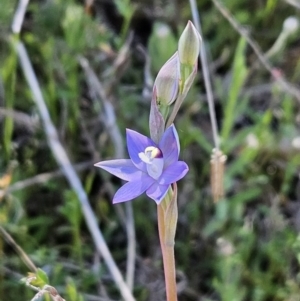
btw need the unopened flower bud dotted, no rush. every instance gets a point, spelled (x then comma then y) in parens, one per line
(167, 82)
(189, 45)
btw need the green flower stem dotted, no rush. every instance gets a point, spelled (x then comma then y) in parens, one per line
(167, 215)
(164, 110)
(176, 108)
(184, 87)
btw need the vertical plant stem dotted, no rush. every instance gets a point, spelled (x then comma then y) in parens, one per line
(161, 225)
(176, 108)
(168, 257)
(208, 88)
(170, 273)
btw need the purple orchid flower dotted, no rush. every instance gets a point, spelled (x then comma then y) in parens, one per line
(152, 167)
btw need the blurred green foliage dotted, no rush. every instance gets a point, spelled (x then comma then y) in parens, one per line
(246, 247)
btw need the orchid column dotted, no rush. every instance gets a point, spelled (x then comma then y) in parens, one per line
(154, 165)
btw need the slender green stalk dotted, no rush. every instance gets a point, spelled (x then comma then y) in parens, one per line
(176, 108)
(167, 215)
(184, 86)
(168, 257)
(170, 273)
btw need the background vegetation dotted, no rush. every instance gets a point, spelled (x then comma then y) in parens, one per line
(245, 247)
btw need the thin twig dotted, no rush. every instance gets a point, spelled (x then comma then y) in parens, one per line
(207, 82)
(18, 249)
(19, 16)
(119, 66)
(62, 159)
(109, 118)
(283, 83)
(108, 111)
(131, 246)
(44, 177)
(11, 272)
(20, 119)
(148, 79)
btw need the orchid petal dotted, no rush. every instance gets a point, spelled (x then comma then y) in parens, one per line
(132, 189)
(121, 168)
(173, 173)
(157, 192)
(169, 145)
(137, 143)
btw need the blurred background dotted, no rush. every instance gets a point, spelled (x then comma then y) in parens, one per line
(96, 62)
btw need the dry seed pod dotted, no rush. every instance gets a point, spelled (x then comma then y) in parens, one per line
(217, 166)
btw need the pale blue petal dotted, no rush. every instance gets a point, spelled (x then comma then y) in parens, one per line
(137, 143)
(173, 173)
(169, 145)
(157, 192)
(132, 189)
(121, 168)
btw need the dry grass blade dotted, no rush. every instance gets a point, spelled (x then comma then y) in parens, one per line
(18, 249)
(207, 82)
(283, 83)
(109, 119)
(217, 168)
(19, 16)
(108, 115)
(20, 119)
(44, 177)
(62, 159)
